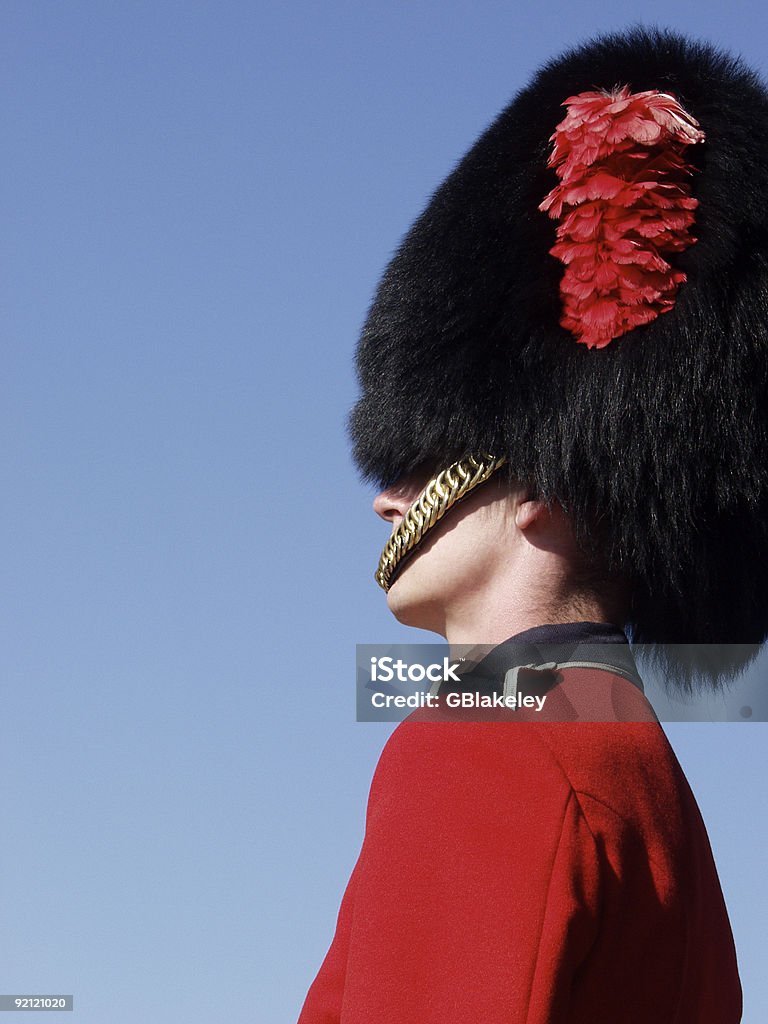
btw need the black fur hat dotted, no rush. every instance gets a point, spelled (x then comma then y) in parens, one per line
(659, 440)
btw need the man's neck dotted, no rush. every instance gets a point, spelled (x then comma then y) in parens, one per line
(500, 623)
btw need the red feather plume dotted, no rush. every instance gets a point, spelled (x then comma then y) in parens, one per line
(623, 203)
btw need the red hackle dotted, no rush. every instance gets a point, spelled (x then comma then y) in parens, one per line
(623, 204)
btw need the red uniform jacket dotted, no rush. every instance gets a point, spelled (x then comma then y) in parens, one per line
(531, 872)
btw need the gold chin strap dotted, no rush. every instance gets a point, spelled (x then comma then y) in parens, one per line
(441, 493)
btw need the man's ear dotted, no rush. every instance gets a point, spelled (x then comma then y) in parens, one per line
(528, 511)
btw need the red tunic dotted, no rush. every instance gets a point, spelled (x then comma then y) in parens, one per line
(531, 871)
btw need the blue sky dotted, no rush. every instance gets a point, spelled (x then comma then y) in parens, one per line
(198, 201)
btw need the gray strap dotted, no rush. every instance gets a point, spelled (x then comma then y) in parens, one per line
(510, 679)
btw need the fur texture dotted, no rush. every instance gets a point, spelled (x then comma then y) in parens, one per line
(656, 444)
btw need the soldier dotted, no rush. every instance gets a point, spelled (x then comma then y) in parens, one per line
(564, 397)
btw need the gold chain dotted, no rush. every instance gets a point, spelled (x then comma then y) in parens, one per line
(440, 494)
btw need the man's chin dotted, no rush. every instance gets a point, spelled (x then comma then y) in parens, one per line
(409, 601)
(400, 597)
(404, 611)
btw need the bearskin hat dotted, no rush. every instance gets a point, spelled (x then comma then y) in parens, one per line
(657, 438)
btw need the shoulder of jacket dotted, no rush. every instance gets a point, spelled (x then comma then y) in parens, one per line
(498, 762)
